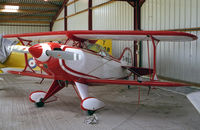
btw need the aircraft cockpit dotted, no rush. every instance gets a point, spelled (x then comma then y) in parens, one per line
(96, 49)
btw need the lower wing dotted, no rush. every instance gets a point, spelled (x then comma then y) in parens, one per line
(132, 82)
(31, 74)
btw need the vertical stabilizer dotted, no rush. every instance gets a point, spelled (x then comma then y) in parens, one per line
(127, 57)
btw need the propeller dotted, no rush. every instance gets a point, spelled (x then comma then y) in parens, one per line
(66, 55)
(19, 48)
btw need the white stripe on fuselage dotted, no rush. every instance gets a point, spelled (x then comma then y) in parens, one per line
(72, 73)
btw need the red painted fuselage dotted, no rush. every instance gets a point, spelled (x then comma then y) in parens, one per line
(91, 65)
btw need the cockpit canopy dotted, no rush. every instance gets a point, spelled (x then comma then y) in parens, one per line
(96, 49)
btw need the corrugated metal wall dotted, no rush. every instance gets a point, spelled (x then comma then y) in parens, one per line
(76, 22)
(80, 21)
(59, 25)
(114, 16)
(98, 2)
(77, 6)
(174, 60)
(15, 28)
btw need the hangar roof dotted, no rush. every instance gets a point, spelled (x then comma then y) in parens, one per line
(30, 11)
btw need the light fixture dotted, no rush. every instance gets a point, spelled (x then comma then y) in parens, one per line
(10, 8)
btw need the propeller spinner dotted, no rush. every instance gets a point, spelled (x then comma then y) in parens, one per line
(39, 51)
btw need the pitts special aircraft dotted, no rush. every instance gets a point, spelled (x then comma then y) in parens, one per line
(82, 63)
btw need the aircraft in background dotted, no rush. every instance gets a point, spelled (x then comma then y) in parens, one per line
(16, 62)
(80, 62)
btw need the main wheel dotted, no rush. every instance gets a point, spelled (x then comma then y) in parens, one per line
(90, 112)
(36, 96)
(40, 103)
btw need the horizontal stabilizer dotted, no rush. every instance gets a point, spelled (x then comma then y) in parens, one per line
(195, 99)
(32, 74)
(139, 71)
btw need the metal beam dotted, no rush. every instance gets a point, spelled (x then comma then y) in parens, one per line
(67, 4)
(103, 4)
(85, 10)
(65, 17)
(82, 11)
(141, 2)
(137, 26)
(50, 26)
(137, 16)
(132, 3)
(90, 15)
(59, 11)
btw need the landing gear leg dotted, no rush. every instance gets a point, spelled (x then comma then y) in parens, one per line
(88, 104)
(41, 80)
(56, 86)
(149, 90)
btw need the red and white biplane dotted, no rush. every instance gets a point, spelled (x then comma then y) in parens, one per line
(82, 63)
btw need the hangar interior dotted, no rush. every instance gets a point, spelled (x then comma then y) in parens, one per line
(176, 61)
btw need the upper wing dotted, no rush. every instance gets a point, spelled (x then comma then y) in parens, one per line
(132, 82)
(134, 35)
(114, 35)
(40, 37)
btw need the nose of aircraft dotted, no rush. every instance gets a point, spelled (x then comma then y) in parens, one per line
(36, 50)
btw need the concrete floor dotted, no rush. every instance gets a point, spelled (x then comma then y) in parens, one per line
(161, 110)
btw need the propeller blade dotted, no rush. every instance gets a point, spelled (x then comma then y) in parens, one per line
(64, 55)
(19, 48)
